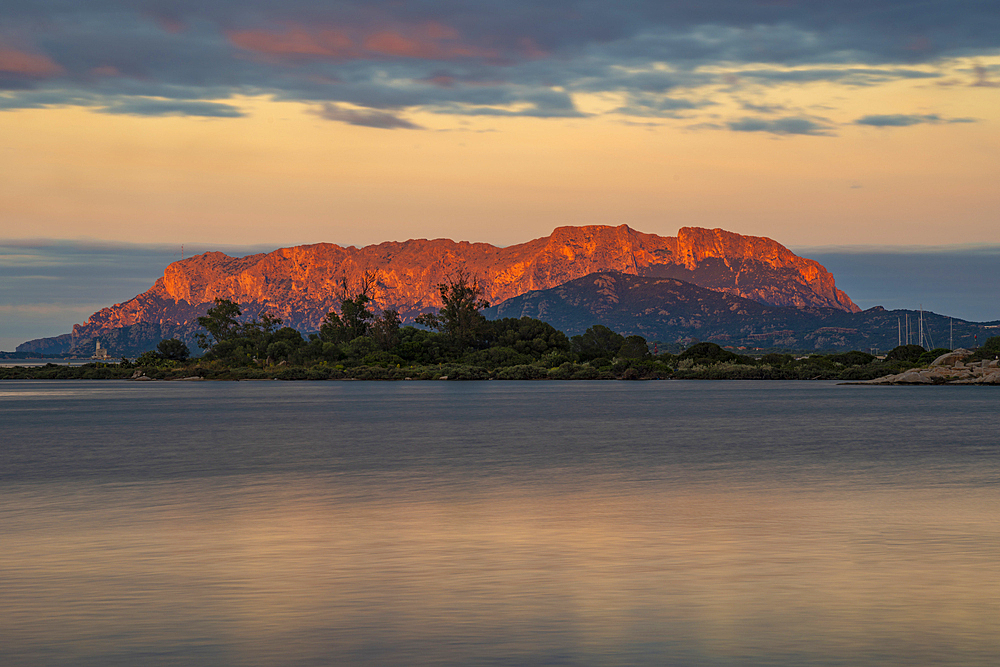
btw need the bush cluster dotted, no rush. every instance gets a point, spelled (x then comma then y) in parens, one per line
(545, 354)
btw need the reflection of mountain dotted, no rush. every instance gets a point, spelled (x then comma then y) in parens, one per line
(299, 284)
(673, 311)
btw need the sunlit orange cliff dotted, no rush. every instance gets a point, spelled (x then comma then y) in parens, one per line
(300, 284)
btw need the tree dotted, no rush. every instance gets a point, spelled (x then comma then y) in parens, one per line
(990, 349)
(852, 358)
(634, 347)
(459, 316)
(149, 358)
(777, 359)
(597, 342)
(354, 319)
(710, 353)
(910, 353)
(385, 329)
(281, 344)
(220, 322)
(527, 336)
(230, 338)
(173, 349)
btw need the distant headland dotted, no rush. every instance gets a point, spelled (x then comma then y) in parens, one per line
(457, 342)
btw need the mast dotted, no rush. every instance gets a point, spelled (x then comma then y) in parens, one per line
(899, 331)
(921, 343)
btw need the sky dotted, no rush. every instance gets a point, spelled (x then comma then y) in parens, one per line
(821, 124)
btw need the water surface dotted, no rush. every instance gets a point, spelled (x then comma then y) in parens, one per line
(498, 523)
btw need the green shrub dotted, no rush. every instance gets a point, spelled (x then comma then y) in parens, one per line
(777, 360)
(597, 341)
(634, 347)
(562, 372)
(853, 358)
(383, 359)
(459, 372)
(990, 349)
(497, 357)
(711, 353)
(910, 353)
(523, 372)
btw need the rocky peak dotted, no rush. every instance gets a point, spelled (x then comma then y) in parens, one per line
(300, 284)
(695, 244)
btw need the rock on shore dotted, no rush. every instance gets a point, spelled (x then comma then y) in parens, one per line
(949, 368)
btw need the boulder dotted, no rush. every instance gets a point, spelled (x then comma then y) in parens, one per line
(991, 378)
(913, 377)
(951, 358)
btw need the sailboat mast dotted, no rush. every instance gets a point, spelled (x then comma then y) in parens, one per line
(921, 342)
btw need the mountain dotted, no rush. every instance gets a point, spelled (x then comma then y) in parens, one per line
(674, 311)
(300, 284)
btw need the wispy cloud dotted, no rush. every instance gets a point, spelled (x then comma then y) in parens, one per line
(365, 117)
(905, 120)
(788, 125)
(148, 107)
(983, 79)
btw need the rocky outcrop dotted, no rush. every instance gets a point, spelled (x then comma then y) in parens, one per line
(673, 311)
(299, 284)
(949, 368)
(54, 345)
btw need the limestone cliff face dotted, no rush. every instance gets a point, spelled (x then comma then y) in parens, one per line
(299, 284)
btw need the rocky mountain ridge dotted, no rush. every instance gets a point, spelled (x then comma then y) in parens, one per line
(300, 284)
(675, 312)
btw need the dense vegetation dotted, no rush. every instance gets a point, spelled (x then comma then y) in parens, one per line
(459, 343)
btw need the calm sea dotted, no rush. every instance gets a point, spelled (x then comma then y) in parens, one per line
(498, 523)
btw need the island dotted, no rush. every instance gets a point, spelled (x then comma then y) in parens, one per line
(459, 343)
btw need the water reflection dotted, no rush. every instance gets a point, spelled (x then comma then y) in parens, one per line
(498, 524)
(585, 569)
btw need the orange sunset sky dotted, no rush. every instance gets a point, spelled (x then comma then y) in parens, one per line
(354, 123)
(864, 134)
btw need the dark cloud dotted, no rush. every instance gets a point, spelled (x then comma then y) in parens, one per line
(905, 120)
(852, 76)
(788, 125)
(365, 118)
(664, 107)
(518, 57)
(761, 108)
(536, 104)
(147, 107)
(983, 79)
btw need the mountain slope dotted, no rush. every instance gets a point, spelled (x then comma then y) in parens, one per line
(673, 311)
(300, 284)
